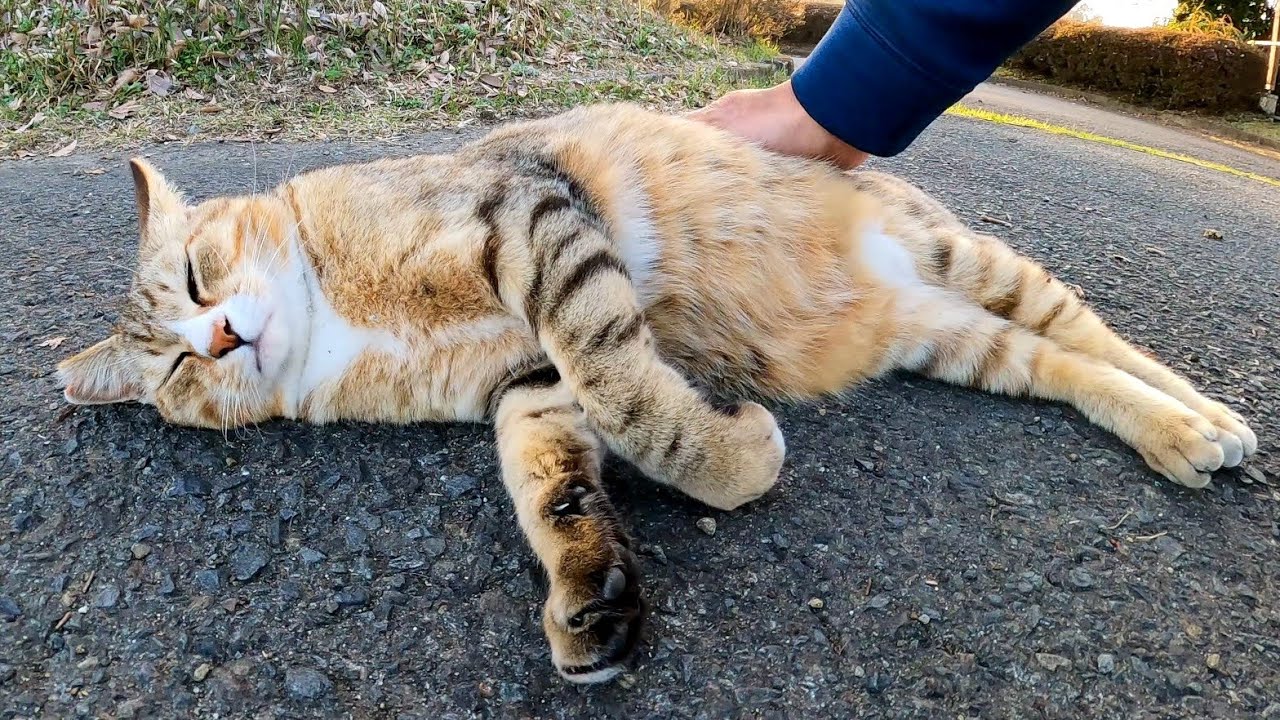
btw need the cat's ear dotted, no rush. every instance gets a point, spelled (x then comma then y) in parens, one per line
(105, 373)
(155, 197)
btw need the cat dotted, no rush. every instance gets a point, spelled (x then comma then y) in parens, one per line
(577, 280)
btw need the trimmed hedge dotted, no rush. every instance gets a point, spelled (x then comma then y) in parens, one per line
(1154, 66)
(818, 19)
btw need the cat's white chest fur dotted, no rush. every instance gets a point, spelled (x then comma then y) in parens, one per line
(327, 344)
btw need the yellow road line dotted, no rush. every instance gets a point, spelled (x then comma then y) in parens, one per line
(1019, 121)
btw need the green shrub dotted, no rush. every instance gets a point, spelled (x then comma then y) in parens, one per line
(1157, 67)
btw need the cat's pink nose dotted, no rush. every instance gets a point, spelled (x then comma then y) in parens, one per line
(224, 339)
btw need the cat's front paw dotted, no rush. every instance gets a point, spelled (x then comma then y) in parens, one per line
(594, 615)
(745, 452)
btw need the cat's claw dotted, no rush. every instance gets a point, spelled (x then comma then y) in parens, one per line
(595, 624)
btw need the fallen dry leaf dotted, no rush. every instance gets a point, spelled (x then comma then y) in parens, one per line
(65, 150)
(492, 81)
(326, 89)
(192, 94)
(127, 77)
(124, 110)
(34, 121)
(210, 109)
(53, 342)
(15, 103)
(94, 171)
(158, 83)
(95, 106)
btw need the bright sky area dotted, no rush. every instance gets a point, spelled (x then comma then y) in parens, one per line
(1132, 13)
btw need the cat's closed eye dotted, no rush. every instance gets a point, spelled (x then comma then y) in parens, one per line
(193, 289)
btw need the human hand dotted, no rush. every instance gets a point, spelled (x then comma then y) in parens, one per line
(775, 119)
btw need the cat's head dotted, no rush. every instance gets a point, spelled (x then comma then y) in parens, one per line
(213, 324)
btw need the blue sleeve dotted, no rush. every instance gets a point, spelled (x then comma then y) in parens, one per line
(888, 68)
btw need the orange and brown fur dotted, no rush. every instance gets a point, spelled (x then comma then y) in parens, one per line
(570, 279)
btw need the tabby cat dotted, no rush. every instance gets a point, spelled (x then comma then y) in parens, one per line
(576, 280)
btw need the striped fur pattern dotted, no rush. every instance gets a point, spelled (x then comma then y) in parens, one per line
(579, 280)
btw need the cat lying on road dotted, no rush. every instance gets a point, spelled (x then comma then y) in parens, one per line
(569, 279)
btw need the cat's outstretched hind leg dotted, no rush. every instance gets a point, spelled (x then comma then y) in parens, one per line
(1013, 287)
(948, 338)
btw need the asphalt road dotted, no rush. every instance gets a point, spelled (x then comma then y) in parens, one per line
(1090, 118)
(930, 551)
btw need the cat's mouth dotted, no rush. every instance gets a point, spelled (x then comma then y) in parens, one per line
(264, 348)
(261, 353)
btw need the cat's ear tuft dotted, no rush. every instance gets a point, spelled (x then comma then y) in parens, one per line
(105, 373)
(155, 197)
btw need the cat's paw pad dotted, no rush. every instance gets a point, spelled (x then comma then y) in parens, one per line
(1184, 447)
(1237, 440)
(594, 616)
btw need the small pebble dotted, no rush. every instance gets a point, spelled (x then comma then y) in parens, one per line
(9, 609)
(107, 597)
(1106, 663)
(816, 603)
(1080, 578)
(140, 550)
(306, 683)
(1051, 662)
(207, 580)
(433, 547)
(201, 672)
(878, 682)
(1213, 661)
(707, 525)
(311, 557)
(352, 597)
(456, 486)
(247, 561)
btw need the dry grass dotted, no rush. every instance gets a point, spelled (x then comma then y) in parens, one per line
(766, 20)
(1201, 22)
(183, 70)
